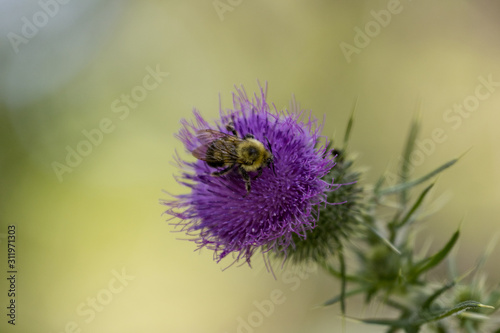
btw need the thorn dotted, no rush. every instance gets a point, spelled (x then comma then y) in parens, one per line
(464, 153)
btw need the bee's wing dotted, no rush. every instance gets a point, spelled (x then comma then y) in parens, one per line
(221, 142)
(201, 152)
(207, 136)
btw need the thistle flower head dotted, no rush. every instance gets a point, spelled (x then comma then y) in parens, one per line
(218, 212)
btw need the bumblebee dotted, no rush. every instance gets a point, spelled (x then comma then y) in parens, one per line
(222, 150)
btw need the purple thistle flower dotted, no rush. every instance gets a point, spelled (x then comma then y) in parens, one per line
(219, 214)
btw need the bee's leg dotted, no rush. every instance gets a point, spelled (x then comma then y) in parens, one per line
(222, 172)
(230, 128)
(259, 174)
(246, 178)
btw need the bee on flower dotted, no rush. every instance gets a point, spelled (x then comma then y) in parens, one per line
(256, 181)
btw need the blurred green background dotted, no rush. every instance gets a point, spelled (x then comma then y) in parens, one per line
(66, 70)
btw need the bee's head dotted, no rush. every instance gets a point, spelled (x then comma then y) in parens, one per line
(269, 162)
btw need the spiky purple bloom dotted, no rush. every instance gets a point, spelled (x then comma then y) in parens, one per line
(217, 213)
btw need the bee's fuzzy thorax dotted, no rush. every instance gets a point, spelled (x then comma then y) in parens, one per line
(249, 161)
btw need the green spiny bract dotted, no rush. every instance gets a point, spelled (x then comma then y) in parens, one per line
(337, 220)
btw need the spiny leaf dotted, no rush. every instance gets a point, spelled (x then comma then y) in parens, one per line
(415, 182)
(386, 322)
(432, 261)
(412, 325)
(347, 294)
(342, 281)
(385, 240)
(457, 309)
(428, 302)
(349, 124)
(416, 205)
(409, 147)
